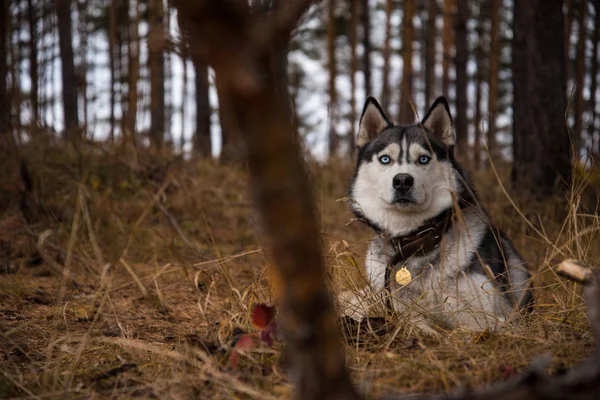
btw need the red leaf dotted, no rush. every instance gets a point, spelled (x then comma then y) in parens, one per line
(245, 342)
(262, 316)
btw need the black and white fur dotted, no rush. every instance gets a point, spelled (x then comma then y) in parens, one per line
(406, 176)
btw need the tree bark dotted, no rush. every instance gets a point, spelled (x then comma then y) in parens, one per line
(133, 66)
(366, 44)
(569, 16)
(579, 77)
(480, 61)
(462, 55)
(493, 78)
(448, 43)
(430, 62)
(4, 100)
(202, 138)
(387, 52)
(69, 76)
(112, 52)
(279, 183)
(541, 148)
(405, 112)
(33, 62)
(331, 62)
(592, 132)
(156, 61)
(353, 69)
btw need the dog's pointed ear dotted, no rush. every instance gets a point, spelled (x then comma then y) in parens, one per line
(372, 121)
(439, 121)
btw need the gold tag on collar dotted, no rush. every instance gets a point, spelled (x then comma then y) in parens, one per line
(403, 276)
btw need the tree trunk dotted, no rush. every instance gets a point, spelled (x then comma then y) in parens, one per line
(4, 100)
(405, 112)
(83, 67)
(430, 36)
(385, 84)
(593, 79)
(480, 62)
(281, 189)
(366, 43)
(353, 68)
(462, 55)
(202, 138)
(448, 43)
(156, 61)
(542, 155)
(133, 66)
(112, 52)
(331, 61)
(69, 77)
(579, 77)
(569, 16)
(33, 62)
(493, 79)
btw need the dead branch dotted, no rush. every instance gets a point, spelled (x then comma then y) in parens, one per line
(581, 382)
(238, 44)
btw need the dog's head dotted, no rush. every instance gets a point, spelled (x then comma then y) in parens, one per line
(405, 175)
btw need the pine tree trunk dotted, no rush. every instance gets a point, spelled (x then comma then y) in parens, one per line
(33, 62)
(569, 16)
(541, 149)
(462, 55)
(133, 66)
(69, 77)
(580, 76)
(83, 67)
(592, 132)
(4, 100)
(448, 43)
(112, 50)
(331, 61)
(353, 68)
(366, 43)
(202, 138)
(385, 84)
(156, 60)
(184, 96)
(430, 41)
(479, 60)
(493, 79)
(405, 113)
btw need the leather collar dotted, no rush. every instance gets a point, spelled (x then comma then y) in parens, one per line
(419, 242)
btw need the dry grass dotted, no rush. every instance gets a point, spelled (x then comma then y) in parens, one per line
(149, 269)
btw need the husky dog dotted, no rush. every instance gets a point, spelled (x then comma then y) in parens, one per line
(436, 253)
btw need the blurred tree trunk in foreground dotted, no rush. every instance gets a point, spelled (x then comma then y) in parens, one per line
(280, 185)
(462, 55)
(542, 154)
(69, 77)
(406, 114)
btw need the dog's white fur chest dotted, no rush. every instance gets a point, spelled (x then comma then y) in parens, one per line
(440, 288)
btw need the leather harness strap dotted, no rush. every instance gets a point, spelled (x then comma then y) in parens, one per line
(425, 239)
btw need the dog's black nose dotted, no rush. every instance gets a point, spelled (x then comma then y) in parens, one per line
(403, 182)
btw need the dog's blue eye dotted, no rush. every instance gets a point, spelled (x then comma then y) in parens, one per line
(424, 159)
(385, 159)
